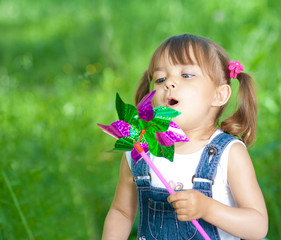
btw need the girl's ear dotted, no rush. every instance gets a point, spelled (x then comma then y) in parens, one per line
(223, 93)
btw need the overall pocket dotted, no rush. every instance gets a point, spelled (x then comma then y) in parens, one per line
(164, 225)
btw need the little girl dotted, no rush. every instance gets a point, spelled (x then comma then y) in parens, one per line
(212, 173)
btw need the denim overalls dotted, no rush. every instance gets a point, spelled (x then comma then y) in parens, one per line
(158, 219)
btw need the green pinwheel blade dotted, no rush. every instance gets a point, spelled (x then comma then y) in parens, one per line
(162, 118)
(126, 112)
(165, 113)
(156, 149)
(168, 152)
(162, 151)
(143, 124)
(124, 144)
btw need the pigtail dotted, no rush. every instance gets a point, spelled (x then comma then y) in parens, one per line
(243, 122)
(144, 87)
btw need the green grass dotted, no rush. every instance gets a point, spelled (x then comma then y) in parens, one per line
(61, 64)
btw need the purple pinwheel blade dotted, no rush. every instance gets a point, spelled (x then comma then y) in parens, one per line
(135, 155)
(145, 107)
(171, 136)
(117, 129)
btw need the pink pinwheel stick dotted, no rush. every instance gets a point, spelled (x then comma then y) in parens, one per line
(167, 185)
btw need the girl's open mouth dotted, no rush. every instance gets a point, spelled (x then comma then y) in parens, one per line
(172, 102)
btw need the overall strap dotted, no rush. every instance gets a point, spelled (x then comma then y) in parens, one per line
(140, 172)
(207, 167)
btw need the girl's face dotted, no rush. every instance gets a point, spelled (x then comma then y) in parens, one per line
(186, 89)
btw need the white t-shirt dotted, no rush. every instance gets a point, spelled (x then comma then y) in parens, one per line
(181, 170)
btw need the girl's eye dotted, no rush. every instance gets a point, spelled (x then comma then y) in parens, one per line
(160, 80)
(186, 75)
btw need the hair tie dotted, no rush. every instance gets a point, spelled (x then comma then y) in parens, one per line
(235, 68)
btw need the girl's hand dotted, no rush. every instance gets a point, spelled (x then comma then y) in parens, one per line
(189, 204)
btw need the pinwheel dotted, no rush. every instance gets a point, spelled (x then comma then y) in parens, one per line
(144, 128)
(159, 133)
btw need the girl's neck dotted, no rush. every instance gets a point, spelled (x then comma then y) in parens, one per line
(198, 138)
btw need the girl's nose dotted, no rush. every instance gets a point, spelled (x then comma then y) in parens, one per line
(169, 84)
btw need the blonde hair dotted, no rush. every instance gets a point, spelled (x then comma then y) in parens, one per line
(214, 62)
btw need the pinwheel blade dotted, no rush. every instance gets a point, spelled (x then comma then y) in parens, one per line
(135, 155)
(145, 108)
(161, 151)
(126, 112)
(117, 129)
(171, 136)
(162, 118)
(124, 144)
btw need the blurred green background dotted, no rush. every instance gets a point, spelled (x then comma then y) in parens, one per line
(61, 64)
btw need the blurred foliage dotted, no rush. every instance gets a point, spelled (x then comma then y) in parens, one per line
(61, 63)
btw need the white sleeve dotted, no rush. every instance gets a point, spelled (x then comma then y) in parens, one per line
(129, 159)
(224, 159)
